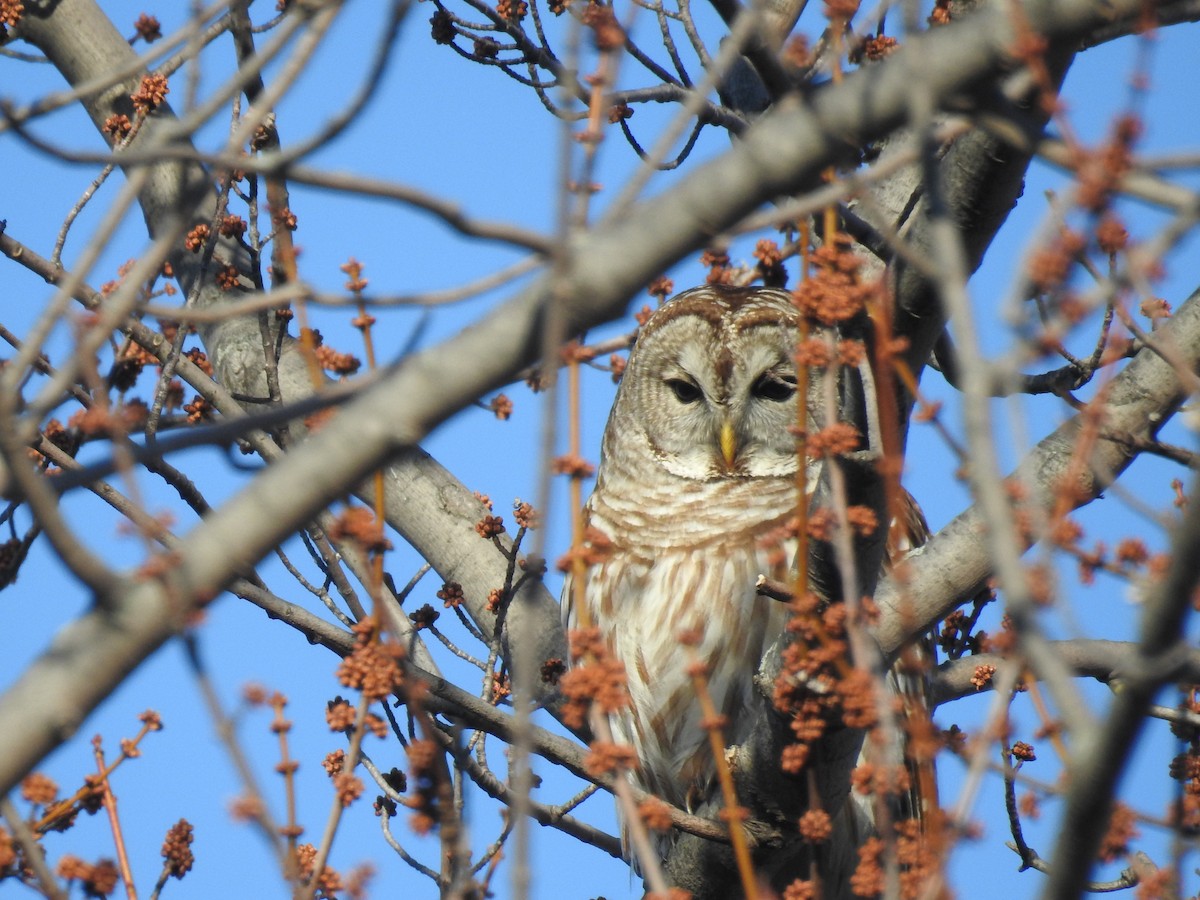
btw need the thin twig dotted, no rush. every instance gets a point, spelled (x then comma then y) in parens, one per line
(32, 853)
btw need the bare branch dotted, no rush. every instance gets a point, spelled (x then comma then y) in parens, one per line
(1105, 661)
(955, 564)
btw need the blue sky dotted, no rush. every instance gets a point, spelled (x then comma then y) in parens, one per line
(472, 135)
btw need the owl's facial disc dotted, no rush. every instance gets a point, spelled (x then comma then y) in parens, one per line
(713, 395)
(724, 421)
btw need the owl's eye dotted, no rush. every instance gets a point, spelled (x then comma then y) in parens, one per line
(684, 390)
(776, 388)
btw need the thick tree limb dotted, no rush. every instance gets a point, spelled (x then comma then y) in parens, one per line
(955, 564)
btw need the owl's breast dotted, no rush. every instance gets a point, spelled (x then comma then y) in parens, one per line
(692, 516)
(661, 613)
(677, 585)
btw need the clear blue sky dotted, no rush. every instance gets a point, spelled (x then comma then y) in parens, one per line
(470, 134)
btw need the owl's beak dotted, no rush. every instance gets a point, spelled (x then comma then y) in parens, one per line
(728, 441)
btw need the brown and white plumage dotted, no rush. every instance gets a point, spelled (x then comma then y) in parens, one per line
(698, 472)
(698, 466)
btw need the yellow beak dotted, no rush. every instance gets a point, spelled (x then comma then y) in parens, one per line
(728, 441)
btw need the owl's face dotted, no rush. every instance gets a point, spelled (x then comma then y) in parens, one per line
(711, 385)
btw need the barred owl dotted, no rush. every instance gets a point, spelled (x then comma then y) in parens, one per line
(697, 467)
(698, 472)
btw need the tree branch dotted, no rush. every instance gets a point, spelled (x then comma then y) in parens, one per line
(1106, 661)
(955, 564)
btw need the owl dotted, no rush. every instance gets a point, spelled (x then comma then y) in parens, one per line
(698, 476)
(698, 468)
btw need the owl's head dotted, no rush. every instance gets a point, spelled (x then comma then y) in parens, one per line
(710, 386)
